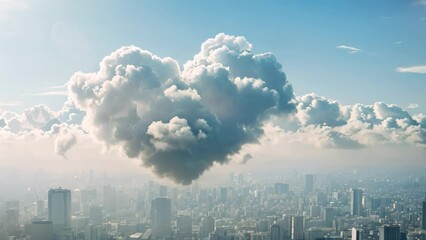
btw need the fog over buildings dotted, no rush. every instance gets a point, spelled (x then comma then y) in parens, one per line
(202, 120)
(340, 206)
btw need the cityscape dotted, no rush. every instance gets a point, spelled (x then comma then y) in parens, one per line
(213, 120)
(334, 206)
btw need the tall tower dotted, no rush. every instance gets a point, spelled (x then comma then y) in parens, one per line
(208, 224)
(357, 234)
(389, 232)
(424, 215)
(309, 183)
(275, 232)
(59, 204)
(356, 202)
(328, 216)
(161, 218)
(297, 228)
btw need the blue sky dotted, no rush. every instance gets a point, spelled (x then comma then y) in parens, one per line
(42, 43)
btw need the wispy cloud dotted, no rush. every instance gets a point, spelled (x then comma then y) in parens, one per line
(413, 106)
(9, 6)
(50, 93)
(397, 42)
(350, 49)
(10, 104)
(413, 69)
(420, 2)
(57, 87)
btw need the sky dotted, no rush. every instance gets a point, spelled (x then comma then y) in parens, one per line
(357, 71)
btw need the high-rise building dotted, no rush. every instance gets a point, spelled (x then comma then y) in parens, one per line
(275, 232)
(309, 183)
(328, 216)
(223, 196)
(109, 198)
(314, 234)
(161, 218)
(281, 188)
(208, 224)
(184, 227)
(91, 233)
(297, 227)
(389, 232)
(40, 230)
(356, 202)
(59, 204)
(95, 215)
(424, 215)
(357, 234)
(163, 191)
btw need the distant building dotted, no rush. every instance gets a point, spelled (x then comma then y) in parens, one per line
(90, 233)
(161, 218)
(424, 215)
(357, 234)
(95, 215)
(297, 227)
(184, 227)
(59, 206)
(163, 191)
(109, 198)
(389, 232)
(328, 216)
(223, 196)
(275, 232)
(40, 230)
(356, 202)
(281, 188)
(314, 234)
(208, 226)
(309, 183)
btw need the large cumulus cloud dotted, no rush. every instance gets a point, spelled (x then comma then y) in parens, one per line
(181, 122)
(324, 122)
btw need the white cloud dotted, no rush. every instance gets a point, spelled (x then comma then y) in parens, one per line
(10, 104)
(351, 50)
(182, 122)
(7, 7)
(413, 69)
(413, 106)
(49, 93)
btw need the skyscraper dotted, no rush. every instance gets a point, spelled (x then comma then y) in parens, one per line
(328, 216)
(357, 234)
(275, 232)
(184, 227)
(424, 215)
(109, 198)
(356, 202)
(59, 204)
(389, 232)
(161, 218)
(297, 228)
(309, 183)
(208, 224)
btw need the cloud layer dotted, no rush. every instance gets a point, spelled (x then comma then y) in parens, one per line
(326, 123)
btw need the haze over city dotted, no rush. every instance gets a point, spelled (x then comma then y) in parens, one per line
(134, 97)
